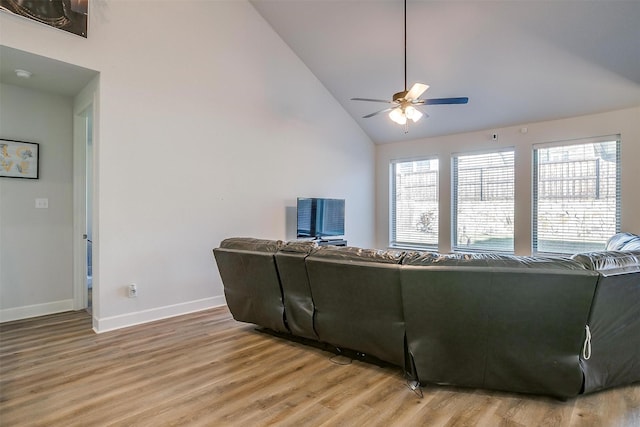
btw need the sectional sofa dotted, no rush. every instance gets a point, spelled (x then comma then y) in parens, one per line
(542, 325)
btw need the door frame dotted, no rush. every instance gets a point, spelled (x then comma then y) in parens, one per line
(85, 104)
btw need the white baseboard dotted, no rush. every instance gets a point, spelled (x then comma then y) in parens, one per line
(106, 324)
(24, 312)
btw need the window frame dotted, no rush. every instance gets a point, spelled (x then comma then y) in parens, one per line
(455, 247)
(393, 241)
(535, 200)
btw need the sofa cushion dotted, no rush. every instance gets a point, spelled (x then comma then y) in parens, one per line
(610, 262)
(249, 244)
(623, 242)
(357, 300)
(251, 282)
(497, 321)
(354, 254)
(301, 247)
(298, 300)
(614, 321)
(490, 260)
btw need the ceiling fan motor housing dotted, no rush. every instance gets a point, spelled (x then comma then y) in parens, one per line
(399, 97)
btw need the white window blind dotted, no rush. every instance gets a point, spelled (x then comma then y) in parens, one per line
(414, 203)
(483, 201)
(576, 195)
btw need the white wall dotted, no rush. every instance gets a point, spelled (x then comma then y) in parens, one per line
(624, 122)
(35, 244)
(209, 127)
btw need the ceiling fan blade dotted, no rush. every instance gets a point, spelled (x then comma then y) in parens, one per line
(416, 90)
(440, 101)
(372, 100)
(378, 112)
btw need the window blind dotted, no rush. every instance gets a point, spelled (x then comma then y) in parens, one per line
(576, 195)
(483, 201)
(414, 203)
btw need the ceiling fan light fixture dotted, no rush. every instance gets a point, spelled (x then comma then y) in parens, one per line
(398, 116)
(413, 113)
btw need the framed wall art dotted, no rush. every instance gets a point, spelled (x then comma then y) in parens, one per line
(19, 159)
(67, 15)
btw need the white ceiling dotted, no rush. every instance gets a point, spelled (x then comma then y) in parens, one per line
(48, 75)
(518, 61)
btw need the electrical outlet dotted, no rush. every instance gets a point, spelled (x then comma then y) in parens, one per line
(133, 290)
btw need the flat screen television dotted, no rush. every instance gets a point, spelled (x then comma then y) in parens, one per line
(318, 218)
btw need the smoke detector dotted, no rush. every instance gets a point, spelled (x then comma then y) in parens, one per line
(23, 74)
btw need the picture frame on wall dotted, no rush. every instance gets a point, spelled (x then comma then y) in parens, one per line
(66, 15)
(19, 159)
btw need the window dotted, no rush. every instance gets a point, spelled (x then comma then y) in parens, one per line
(483, 201)
(576, 195)
(414, 203)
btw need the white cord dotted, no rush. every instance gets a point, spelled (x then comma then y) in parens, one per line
(586, 348)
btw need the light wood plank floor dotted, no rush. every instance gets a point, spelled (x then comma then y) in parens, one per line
(205, 369)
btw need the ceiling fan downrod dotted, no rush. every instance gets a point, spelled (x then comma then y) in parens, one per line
(405, 46)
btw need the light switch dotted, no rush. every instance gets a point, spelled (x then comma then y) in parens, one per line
(42, 203)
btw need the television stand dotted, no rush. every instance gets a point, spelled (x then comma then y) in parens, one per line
(335, 242)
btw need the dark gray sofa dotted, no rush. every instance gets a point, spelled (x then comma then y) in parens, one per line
(551, 326)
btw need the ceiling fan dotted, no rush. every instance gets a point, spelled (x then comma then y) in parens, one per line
(403, 104)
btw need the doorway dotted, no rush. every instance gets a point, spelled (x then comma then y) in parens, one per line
(85, 284)
(89, 206)
(81, 86)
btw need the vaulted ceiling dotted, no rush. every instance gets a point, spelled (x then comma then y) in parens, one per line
(517, 61)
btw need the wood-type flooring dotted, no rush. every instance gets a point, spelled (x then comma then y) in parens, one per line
(206, 369)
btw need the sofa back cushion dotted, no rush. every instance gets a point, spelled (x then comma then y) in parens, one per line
(497, 321)
(623, 242)
(357, 300)
(614, 320)
(251, 283)
(610, 263)
(434, 259)
(298, 300)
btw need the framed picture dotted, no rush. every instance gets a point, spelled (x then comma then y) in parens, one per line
(19, 159)
(67, 15)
